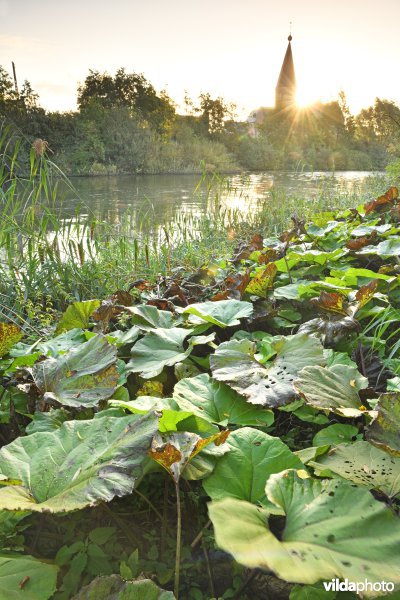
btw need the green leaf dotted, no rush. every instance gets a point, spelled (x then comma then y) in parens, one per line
(243, 471)
(48, 421)
(384, 430)
(332, 388)
(225, 313)
(217, 403)
(25, 578)
(77, 315)
(335, 434)
(83, 376)
(101, 535)
(148, 318)
(271, 385)
(172, 419)
(62, 343)
(365, 465)
(120, 338)
(80, 464)
(390, 247)
(162, 348)
(115, 588)
(311, 592)
(331, 530)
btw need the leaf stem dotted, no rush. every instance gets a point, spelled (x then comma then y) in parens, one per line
(178, 540)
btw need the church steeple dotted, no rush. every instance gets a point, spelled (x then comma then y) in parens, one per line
(285, 91)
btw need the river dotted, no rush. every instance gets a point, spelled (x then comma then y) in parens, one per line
(154, 200)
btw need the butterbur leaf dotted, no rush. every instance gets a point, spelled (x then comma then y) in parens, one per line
(10, 334)
(80, 464)
(225, 313)
(384, 202)
(262, 282)
(83, 376)
(335, 434)
(364, 464)
(162, 348)
(270, 385)
(390, 247)
(243, 471)
(384, 431)
(332, 529)
(218, 403)
(148, 318)
(25, 577)
(332, 388)
(77, 315)
(175, 453)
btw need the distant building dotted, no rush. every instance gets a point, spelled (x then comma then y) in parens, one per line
(285, 92)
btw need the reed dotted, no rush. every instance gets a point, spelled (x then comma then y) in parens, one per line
(48, 260)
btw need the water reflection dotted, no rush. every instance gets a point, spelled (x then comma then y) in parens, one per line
(152, 201)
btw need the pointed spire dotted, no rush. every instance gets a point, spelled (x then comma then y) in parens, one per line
(285, 91)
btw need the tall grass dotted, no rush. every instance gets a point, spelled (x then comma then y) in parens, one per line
(48, 260)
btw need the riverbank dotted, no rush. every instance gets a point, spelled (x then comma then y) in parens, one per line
(275, 359)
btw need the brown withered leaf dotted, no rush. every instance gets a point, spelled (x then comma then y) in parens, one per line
(122, 297)
(233, 286)
(161, 304)
(166, 456)
(330, 302)
(266, 257)
(361, 242)
(10, 334)
(243, 251)
(178, 450)
(383, 202)
(217, 438)
(141, 285)
(366, 292)
(262, 282)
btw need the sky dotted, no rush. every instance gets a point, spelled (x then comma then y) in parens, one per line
(229, 48)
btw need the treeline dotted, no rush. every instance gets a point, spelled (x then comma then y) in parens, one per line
(123, 125)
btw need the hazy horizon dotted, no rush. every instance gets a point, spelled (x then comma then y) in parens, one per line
(220, 47)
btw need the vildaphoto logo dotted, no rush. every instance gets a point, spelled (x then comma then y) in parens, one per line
(336, 585)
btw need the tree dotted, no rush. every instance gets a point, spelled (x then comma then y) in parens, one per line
(130, 90)
(214, 112)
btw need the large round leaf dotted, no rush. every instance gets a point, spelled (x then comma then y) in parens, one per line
(332, 529)
(83, 376)
(384, 430)
(147, 318)
(77, 315)
(270, 385)
(332, 388)
(225, 313)
(242, 472)
(162, 348)
(217, 403)
(365, 465)
(25, 578)
(78, 465)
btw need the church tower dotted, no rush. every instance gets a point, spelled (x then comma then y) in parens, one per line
(285, 91)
